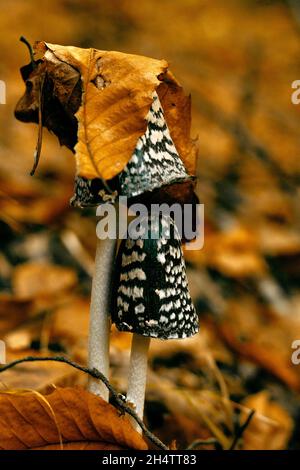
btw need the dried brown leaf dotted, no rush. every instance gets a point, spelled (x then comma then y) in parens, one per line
(117, 94)
(236, 253)
(74, 417)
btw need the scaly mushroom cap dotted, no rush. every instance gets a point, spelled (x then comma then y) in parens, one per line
(151, 294)
(155, 163)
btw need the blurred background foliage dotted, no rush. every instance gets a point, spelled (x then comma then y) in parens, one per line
(238, 60)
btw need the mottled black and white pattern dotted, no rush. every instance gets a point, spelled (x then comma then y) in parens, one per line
(90, 192)
(154, 163)
(151, 294)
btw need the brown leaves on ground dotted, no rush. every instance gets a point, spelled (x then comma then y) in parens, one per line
(22, 202)
(38, 376)
(263, 338)
(235, 253)
(38, 289)
(202, 414)
(239, 74)
(32, 280)
(270, 428)
(13, 311)
(66, 419)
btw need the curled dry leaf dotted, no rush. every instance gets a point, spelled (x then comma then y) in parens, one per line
(67, 418)
(61, 98)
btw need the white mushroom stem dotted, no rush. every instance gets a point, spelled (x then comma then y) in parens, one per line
(99, 329)
(138, 375)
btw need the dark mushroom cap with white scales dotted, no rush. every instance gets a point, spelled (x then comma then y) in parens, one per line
(155, 163)
(151, 295)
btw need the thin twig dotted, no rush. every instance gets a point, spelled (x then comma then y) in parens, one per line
(241, 430)
(118, 401)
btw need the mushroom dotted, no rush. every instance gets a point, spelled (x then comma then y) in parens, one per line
(55, 92)
(151, 295)
(155, 163)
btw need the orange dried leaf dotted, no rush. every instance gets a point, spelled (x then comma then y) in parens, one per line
(235, 253)
(117, 95)
(117, 92)
(75, 418)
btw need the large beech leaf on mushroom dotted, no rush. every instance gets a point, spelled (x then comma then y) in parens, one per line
(68, 418)
(110, 103)
(155, 165)
(117, 94)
